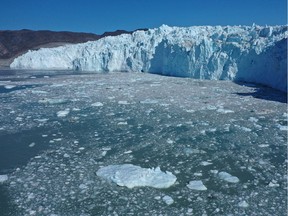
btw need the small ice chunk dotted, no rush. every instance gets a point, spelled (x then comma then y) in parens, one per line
(273, 183)
(205, 163)
(157, 198)
(3, 178)
(196, 185)
(66, 155)
(123, 102)
(97, 104)
(246, 129)
(63, 113)
(9, 86)
(168, 200)
(243, 204)
(170, 141)
(253, 119)
(263, 145)
(149, 101)
(282, 127)
(123, 123)
(32, 144)
(224, 111)
(134, 176)
(53, 101)
(228, 177)
(128, 152)
(214, 171)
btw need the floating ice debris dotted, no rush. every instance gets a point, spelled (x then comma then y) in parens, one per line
(210, 107)
(157, 198)
(189, 151)
(32, 144)
(228, 177)
(63, 113)
(224, 111)
(170, 141)
(243, 204)
(282, 127)
(252, 119)
(168, 200)
(263, 145)
(149, 101)
(3, 178)
(273, 183)
(128, 152)
(41, 120)
(38, 92)
(205, 163)
(214, 171)
(52, 101)
(9, 86)
(196, 185)
(97, 104)
(123, 102)
(190, 111)
(134, 176)
(243, 128)
(122, 123)
(66, 155)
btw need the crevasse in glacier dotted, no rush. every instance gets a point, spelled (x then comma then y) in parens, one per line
(245, 53)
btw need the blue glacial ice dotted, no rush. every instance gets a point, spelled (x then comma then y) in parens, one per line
(241, 53)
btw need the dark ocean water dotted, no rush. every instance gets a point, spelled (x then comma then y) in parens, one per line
(58, 128)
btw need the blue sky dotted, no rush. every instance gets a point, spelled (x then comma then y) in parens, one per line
(98, 16)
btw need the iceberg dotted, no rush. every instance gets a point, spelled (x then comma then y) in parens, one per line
(131, 176)
(240, 53)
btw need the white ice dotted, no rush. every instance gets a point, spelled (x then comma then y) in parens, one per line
(197, 185)
(134, 176)
(245, 53)
(168, 200)
(3, 178)
(63, 113)
(228, 177)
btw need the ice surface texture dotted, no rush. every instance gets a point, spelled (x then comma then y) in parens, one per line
(246, 53)
(134, 176)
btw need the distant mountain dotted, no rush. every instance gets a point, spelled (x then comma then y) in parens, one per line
(15, 43)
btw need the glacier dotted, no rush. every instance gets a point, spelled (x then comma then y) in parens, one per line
(254, 53)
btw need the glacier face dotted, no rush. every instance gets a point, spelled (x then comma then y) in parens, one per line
(240, 53)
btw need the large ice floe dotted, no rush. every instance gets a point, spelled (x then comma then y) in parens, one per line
(134, 176)
(246, 53)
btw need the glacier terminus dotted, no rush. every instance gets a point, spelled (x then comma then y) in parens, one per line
(240, 53)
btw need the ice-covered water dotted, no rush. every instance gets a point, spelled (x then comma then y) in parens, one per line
(225, 143)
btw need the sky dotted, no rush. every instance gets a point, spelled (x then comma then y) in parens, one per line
(98, 16)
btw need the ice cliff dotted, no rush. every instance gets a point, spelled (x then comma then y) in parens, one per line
(242, 53)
